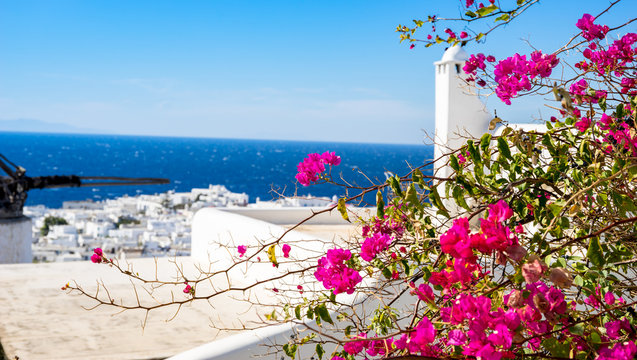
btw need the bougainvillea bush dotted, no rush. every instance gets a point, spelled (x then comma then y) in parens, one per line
(528, 248)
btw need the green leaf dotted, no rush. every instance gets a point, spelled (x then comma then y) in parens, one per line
(555, 208)
(474, 152)
(437, 202)
(342, 209)
(417, 177)
(453, 162)
(557, 348)
(479, 36)
(290, 350)
(319, 351)
(503, 147)
(412, 197)
(470, 14)
(594, 253)
(619, 111)
(503, 17)
(380, 205)
(324, 314)
(485, 142)
(577, 329)
(297, 312)
(458, 195)
(602, 103)
(394, 183)
(487, 10)
(595, 338)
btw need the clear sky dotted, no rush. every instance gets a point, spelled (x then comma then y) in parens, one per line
(301, 70)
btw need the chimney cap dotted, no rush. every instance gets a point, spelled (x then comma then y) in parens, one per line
(454, 54)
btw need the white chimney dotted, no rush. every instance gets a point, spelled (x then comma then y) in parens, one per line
(459, 111)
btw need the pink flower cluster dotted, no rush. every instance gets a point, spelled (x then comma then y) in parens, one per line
(335, 274)
(313, 165)
(460, 243)
(476, 62)
(418, 340)
(385, 226)
(98, 255)
(621, 351)
(591, 31)
(374, 245)
(479, 331)
(515, 73)
(616, 58)
(241, 249)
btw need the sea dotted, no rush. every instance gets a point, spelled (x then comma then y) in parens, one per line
(263, 169)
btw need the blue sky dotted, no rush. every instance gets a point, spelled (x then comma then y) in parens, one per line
(301, 70)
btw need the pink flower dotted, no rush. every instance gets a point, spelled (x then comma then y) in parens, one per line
(98, 251)
(96, 258)
(591, 31)
(468, 2)
(335, 274)
(242, 250)
(614, 328)
(424, 334)
(457, 338)
(519, 229)
(515, 73)
(425, 293)
(609, 298)
(474, 63)
(354, 347)
(374, 245)
(286, 250)
(188, 289)
(330, 158)
(605, 122)
(313, 165)
(578, 88)
(623, 351)
(456, 241)
(583, 124)
(499, 212)
(463, 35)
(412, 46)
(461, 159)
(501, 336)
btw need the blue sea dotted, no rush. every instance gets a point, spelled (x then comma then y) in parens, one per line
(260, 168)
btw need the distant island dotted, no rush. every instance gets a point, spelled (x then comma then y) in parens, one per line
(33, 125)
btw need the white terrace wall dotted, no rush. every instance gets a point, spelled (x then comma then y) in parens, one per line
(15, 240)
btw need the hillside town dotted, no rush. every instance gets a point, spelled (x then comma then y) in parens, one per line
(134, 226)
